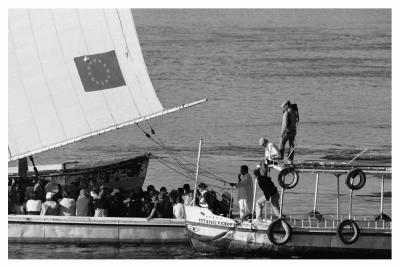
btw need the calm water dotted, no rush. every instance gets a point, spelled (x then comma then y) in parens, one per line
(335, 64)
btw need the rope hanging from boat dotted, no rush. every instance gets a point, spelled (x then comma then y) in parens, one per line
(34, 166)
(191, 178)
(179, 163)
(179, 159)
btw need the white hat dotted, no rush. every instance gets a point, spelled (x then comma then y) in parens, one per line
(262, 141)
(49, 195)
(115, 190)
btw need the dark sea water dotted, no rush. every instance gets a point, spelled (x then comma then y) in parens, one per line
(335, 64)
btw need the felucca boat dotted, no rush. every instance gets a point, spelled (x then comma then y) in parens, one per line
(74, 74)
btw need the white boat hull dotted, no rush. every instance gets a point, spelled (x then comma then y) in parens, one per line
(207, 233)
(90, 230)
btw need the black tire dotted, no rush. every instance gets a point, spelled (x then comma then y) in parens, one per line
(341, 235)
(383, 217)
(286, 227)
(283, 173)
(353, 174)
(316, 215)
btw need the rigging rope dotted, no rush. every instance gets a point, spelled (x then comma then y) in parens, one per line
(178, 163)
(174, 155)
(165, 163)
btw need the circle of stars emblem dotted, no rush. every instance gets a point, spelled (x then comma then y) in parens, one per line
(98, 62)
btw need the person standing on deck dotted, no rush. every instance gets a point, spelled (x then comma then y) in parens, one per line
(288, 132)
(245, 192)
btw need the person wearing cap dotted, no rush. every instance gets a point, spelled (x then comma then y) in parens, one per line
(271, 151)
(288, 131)
(50, 207)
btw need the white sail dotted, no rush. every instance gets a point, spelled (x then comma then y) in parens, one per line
(73, 74)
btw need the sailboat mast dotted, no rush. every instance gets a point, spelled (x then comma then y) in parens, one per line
(197, 173)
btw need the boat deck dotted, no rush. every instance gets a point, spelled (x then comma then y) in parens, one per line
(331, 167)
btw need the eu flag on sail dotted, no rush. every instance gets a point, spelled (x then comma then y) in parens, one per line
(99, 71)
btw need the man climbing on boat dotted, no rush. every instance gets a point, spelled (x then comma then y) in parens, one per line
(288, 132)
(270, 191)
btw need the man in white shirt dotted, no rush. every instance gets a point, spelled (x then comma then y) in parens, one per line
(245, 192)
(271, 151)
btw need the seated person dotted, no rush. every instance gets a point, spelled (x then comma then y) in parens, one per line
(50, 207)
(187, 195)
(225, 205)
(134, 205)
(206, 197)
(162, 207)
(84, 205)
(67, 205)
(178, 207)
(34, 204)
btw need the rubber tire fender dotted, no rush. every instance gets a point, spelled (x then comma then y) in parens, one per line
(354, 173)
(339, 231)
(383, 217)
(286, 226)
(285, 172)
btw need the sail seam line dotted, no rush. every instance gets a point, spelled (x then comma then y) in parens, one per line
(45, 78)
(69, 73)
(24, 88)
(87, 52)
(122, 69)
(143, 63)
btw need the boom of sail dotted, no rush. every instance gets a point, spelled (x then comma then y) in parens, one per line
(74, 74)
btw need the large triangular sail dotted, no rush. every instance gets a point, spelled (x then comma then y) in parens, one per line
(73, 74)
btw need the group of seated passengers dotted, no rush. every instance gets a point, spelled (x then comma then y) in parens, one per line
(104, 202)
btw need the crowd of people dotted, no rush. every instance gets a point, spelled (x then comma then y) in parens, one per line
(52, 199)
(41, 198)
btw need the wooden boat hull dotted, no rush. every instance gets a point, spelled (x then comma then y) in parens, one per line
(90, 230)
(125, 173)
(207, 233)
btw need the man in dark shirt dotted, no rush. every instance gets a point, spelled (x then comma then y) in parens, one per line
(271, 194)
(288, 131)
